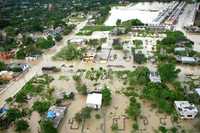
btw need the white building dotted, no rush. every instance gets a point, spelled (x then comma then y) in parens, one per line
(185, 109)
(197, 90)
(78, 41)
(94, 100)
(56, 114)
(154, 77)
(187, 60)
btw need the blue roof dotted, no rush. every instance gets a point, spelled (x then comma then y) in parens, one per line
(2, 110)
(51, 114)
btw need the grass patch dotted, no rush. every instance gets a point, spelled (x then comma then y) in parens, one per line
(88, 30)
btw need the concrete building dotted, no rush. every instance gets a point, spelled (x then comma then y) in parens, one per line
(56, 114)
(94, 100)
(78, 41)
(154, 77)
(187, 60)
(185, 109)
(22, 66)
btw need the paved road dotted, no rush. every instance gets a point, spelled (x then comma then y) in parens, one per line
(36, 69)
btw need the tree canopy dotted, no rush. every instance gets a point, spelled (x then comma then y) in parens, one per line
(21, 125)
(168, 72)
(41, 106)
(106, 96)
(47, 127)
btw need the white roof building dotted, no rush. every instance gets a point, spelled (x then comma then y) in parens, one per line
(187, 60)
(154, 77)
(79, 41)
(56, 114)
(94, 100)
(197, 90)
(185, 109)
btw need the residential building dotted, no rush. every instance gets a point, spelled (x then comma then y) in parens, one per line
(78, 41)
(21, 66)
(94, 100)
(187, 60)
(56, 114)
(154, 77)
(185, 109)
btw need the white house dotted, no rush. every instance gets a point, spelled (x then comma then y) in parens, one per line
(78, 41)
(154, 77)
(94, 100)
(197, 90)
(185, 109)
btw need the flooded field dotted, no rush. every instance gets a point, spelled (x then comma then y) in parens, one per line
(144, 11)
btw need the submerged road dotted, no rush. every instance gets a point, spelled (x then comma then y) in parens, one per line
(14, 87)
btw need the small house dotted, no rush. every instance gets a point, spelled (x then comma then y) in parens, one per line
(56, 114)
(94, 100)
(19, 66)
(78, 41)
(187, 60)
(154, 77)
(185, 109)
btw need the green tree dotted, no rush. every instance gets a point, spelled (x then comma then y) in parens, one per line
(83, 115)
(21, 125)
(139, 76)
(43, 43)
(47, 127)
(118, 22)
(13, 114)
(168, 72)
(106, 96)
(41, 106)
(58, 37)
(2, 66)
(81, 88)
(20, 97)
(161, 96)
(134, 109)
(139, 58)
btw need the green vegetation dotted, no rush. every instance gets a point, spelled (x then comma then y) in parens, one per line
(47, 127)
(13, 114)
(88, 30)
(2, 66)
(83, 115)
(134, 109)
(140, 58)
(106, 96)
(165, 47)
(43, 43)
(81, 88)
(68, 29)
(114, 127)
(41, 106)
(96, 74)
(21, 125)
(97, 116)
(139, 76)
(161, 96)
(134, 22)
(117, 44)
(138, 44)
(33, 87)
(71, 52)
(168, 72)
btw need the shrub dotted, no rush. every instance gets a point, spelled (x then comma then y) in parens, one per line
(21, 125)
(106, 96)
(41, 106)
